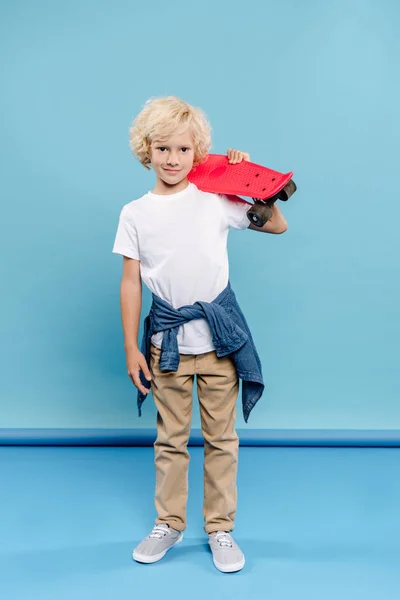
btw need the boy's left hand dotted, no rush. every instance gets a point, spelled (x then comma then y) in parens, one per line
(236, 156)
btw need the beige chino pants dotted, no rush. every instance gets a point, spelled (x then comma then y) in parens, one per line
(217, 389)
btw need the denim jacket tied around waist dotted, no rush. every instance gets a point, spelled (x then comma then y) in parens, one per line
(230, 335)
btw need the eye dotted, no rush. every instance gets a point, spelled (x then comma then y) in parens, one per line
(164, 148)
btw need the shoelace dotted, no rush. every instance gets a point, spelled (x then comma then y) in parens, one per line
(224, 540)
(158, 532)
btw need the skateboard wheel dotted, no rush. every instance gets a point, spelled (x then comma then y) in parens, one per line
(259, 214)
(288, 190)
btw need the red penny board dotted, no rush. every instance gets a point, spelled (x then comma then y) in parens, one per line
(217, 175)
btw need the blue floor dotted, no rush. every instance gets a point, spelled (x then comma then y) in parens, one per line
(314, 523)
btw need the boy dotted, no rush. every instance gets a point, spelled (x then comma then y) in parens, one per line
(175, 239)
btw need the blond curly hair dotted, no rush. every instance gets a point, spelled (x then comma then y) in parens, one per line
(163, 117)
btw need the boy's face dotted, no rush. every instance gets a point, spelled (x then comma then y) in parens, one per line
(172, 158)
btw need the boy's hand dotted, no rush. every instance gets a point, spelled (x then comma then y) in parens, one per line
(135, 362)
(236, 156)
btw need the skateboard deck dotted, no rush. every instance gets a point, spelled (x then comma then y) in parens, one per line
(217, 175)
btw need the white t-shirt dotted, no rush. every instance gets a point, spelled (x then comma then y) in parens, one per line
(181, 242)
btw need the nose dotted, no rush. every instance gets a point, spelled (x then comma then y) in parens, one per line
(172, 160)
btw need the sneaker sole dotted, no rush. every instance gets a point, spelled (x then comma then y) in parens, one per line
(143, 558)
(230, 568)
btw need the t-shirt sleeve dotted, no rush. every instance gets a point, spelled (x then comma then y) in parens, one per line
(126, 240)
(235, 211)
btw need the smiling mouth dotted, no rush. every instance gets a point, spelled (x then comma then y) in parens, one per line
(172, 170)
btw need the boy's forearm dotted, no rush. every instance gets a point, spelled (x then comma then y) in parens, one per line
(277, 217)
(131, 305)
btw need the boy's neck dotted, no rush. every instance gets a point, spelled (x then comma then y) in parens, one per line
(165, 189)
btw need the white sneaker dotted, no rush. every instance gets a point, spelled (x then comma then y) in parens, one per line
(156, 545)
(227, 555)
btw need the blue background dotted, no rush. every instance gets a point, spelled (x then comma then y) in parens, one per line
(303, 86)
